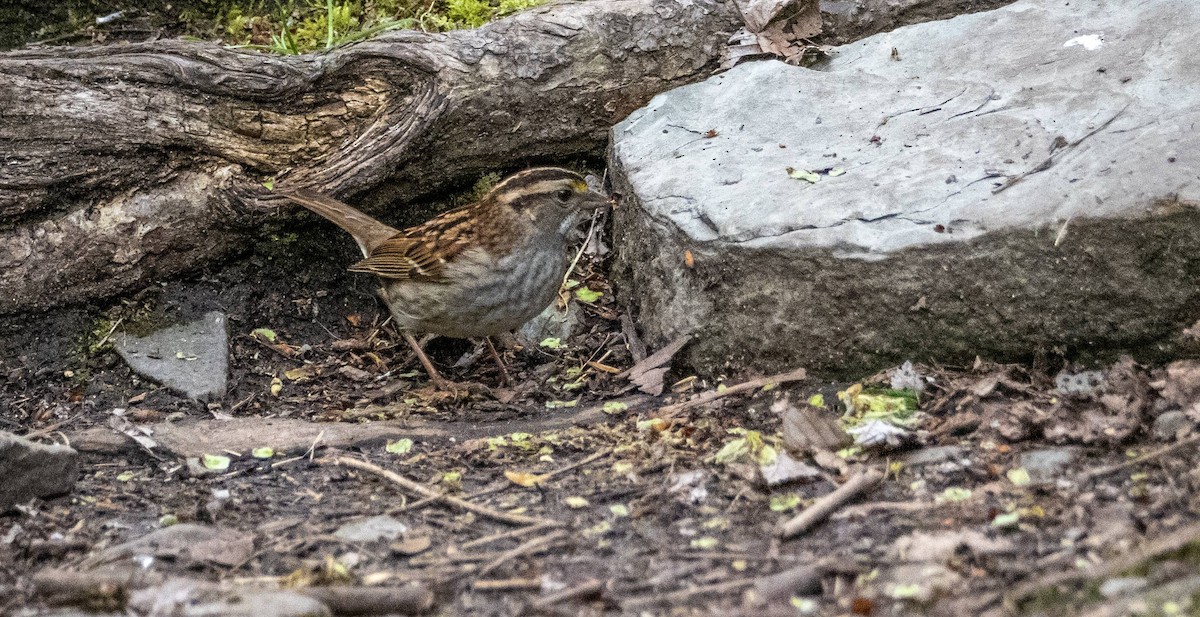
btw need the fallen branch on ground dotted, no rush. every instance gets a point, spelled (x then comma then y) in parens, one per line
(825, 506)
(68, 587)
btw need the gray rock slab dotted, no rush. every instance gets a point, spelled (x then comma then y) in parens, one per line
(1020, 179)
(29, 470)
(192, 358)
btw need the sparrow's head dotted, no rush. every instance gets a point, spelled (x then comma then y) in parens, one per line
(551, 198)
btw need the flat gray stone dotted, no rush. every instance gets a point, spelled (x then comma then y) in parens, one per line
(192, 359)
(1168, 425)
(29, 470)
(934, 455)
(380, 527)
(550, 323)
(1047, 464)
(1019, 179)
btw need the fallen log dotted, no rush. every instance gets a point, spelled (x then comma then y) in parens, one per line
(128, 163)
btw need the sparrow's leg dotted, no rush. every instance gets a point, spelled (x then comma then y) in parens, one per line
(504, 376)
(439, 381)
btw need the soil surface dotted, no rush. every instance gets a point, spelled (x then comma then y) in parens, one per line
(1006, 491)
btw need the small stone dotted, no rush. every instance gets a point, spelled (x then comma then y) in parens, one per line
(786, 469)
(934, 455)
(1168, 425)
(192, 359)
(29, 470)
(381, 527)
(551, 323)
(1121, 585)
(1046, 464)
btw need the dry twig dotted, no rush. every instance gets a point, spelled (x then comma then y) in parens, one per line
(1149, 456)
(825, 506)
(529, 547)
(676, 598)
(420, 489)
(587, 589)
(508, 584)
(496, 537)
(708, 397)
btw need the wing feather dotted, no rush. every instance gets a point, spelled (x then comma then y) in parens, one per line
(421, 252)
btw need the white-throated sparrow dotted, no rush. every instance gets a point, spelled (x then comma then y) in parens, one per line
(475, 271)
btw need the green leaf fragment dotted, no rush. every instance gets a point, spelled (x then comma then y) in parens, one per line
(803, 174)
(215, 462)
(1006, 520)
(706, 542)
(263, 452)
(619, 509)
(955, 494)
(783, 503)
(585, 294)
(732, 451)
(1018, 476)
(125, 476)
(265, 333)
(551, 343)
(615, 407)
(400, 446)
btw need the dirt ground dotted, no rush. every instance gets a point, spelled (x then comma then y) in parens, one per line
(1005, 493)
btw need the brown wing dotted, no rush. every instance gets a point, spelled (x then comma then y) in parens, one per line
(421, 252)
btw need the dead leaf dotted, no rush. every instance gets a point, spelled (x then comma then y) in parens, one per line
(831, 461)
(354, 374)
(806, 428)
(299, 374)
(411, 545)
(524, 478)
(648, 374)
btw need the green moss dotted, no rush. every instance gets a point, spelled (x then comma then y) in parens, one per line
(138, 319)
(302, 26)
(277, 26)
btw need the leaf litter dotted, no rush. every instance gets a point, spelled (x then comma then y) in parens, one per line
(694, 487)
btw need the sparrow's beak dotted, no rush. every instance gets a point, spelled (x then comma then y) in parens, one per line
(595, 201)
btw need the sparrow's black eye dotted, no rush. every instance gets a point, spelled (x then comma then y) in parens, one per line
(564, 194)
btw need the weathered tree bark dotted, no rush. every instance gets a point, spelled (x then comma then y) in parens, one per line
(123, 164)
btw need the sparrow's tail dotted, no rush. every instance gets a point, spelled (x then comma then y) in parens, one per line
(368, 232)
